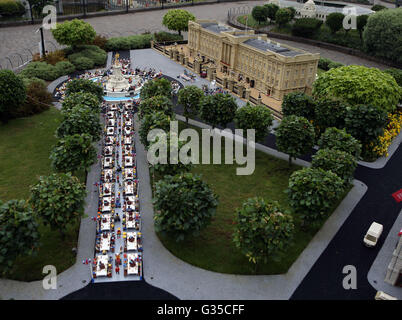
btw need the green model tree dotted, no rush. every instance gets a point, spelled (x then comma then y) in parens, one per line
(361, 22)
(12, 94)
(81, 98)
(86, 86)
(335, 21)
(58, 200)
(190, 98)
(257, 117)
(155, 104)
(313, 192)
(298, 104)
(184, 205)
(359, 85)
(73, 33)
(156, 87)
(79, 120)
(177, 20)
(283, 16)
(18, 232)
(219, 109)
(157, 120)
(73, 153)
(295, 136)
(334, 138)
(258, 13)
(271, 10)
(263, 230)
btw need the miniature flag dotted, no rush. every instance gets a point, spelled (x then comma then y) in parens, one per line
(398, 196)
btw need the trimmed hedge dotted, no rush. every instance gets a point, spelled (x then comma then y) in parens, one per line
(167, 36)
(86, 57)
(326, 64)
(129, 43)
(306, 27)
(41, 70)
(11, 8)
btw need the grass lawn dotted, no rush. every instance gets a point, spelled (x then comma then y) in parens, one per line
(25, 146)
(214, 249)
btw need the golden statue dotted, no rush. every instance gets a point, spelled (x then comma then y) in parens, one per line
(116, 58)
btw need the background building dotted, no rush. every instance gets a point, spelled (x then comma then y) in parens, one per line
(266, 65)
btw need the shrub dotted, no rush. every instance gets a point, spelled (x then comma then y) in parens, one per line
(298, 104)
(396, 73)
(378, 7)
(218, 110)
(323, 63)
(292, 12)
(81, 98)
(155, 104)
(258, 13)
(81, 62)
(73, 33)
(342, 163)
(283, 16)
(38, 99)
(334, 64)
(12, 94)
(54, 57)
(64, 67)
(263, 230)
(184, 205)
(295, 136)
(157, 120)
(167, 36)
(381, 35)
(11, 8)
(365, 122)
(330, 113)
(41, 70)
(156, 87)
(99, 41)
(85, 85)
(306, 27)
(257, 117)
(359, 85)
(270, 10)
(129, 43)
(313, 192)
(335, 21)
(337, 139)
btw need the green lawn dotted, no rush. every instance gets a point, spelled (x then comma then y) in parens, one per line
(214, 249)
(25, 146)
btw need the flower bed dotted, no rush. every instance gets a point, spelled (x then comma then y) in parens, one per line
(390, 132)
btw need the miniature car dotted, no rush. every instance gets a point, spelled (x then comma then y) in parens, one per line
(381, 295)
(373, 234)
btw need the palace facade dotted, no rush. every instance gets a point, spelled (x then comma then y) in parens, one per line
(270, 67)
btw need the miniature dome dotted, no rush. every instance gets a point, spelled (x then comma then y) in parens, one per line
(309, 9)
(276, 2)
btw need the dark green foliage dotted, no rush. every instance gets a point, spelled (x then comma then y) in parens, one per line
(155, 104)
(85, 85)
(156, 87)
(184, 205)
(263, 230)
(18, 232)
(335, 21)
(73, 33)
(256, 117)
(396, 73)
(78, 120)
(313, 192)
(361, 22)
(82, 63)
(271, 10)
(12, 94)
(81, 98)
(157, 120)
(342, 163)
(163, 36)
(73, 153)
(64, 67)
(330, 113)
(306, 27)
(334, 138)
(11, 8)
(58, 199)
(219, 109)
(258, 13)
(298, 104)
(38, 99)
(295, 136)
(129, 43)
(41, 70)
(283, 16)
(378, 7)
(190, 98)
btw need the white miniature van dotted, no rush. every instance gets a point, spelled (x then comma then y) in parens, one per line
(381, 295)
(373, 234)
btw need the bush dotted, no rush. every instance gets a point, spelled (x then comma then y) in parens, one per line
(41, 70)
(157, 120)
(52, 57)
(298, 104)
(313, 192)
(155, 104)
(11, 8)
(38, 99)
(323, 63)
(129, 43)
(342, 163)
(85, 85)
(283, 16)
(270, 10)
(263, 230)
(382, 34)
(12, 94)
(378, 7)
(359, 85)
(167, 36)
(82, 63)
(82, 99)
(99, 41)
(74, 33)
(396, 73)
(64, 67)
(330, 113)
(156, 87)
(335, 21)
(337, 139)
(306, 27)
(258, 13)
(184, 205)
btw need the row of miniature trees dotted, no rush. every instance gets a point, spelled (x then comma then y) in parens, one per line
(56, 200)
(184, 204)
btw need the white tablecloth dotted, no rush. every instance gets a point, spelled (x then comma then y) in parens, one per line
(132, 270)
(107, 162)
(104, 259)
(129, 187)
(105, 242)
(110, 131)
(132, 245)
(106, 225)
(106, 207)
(128, 162)
(107, 189)
(108, 172)
(129, 174)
